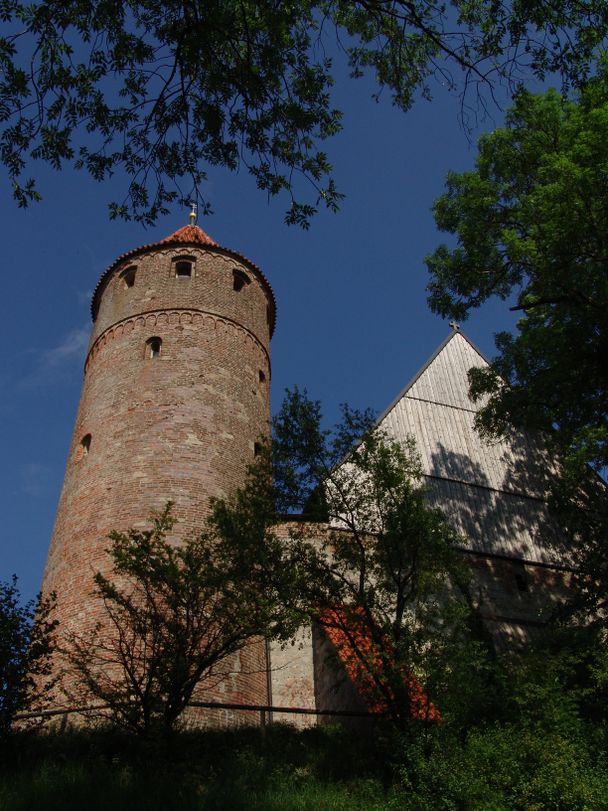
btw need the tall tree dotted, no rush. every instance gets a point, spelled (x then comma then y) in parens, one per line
(531, 224)
(532, 228)
(384, 577)
(164, 90)
(27, 642)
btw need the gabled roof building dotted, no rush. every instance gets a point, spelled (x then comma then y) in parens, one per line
(493, 492)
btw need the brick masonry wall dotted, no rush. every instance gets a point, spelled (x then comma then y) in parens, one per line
(210, 289)
(180, 427)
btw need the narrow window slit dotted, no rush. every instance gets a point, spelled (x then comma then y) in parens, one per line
(83, 449)
(153, 347)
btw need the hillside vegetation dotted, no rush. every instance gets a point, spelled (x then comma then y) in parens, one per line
(499, 767)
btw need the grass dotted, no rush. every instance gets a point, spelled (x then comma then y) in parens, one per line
(324, 769)
(496, 767)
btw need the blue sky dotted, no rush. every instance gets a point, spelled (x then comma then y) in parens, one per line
(353, 324)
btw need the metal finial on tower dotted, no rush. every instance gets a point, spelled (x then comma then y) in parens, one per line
(455, 326)
(192, 216)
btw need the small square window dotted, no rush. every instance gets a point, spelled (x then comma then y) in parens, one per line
(183, 269)
(521, 581)
(239, 280)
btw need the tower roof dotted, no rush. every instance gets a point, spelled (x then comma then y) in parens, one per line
(190, 234)
(187, 235)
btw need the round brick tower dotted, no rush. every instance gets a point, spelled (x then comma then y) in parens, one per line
(174, 400)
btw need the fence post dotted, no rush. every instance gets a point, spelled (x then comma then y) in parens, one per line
(263, 725)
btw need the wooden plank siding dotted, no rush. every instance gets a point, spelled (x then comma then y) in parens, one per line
(493, 492)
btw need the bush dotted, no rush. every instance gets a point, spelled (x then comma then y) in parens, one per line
(501, 767)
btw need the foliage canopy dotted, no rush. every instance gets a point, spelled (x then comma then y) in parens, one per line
(531, 223)
(165, 90)
(532, 227)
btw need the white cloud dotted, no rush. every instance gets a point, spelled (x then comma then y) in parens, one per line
(84, 297)
(60, 360)
(72, 347)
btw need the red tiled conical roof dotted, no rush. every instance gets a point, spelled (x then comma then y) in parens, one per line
(190, 233)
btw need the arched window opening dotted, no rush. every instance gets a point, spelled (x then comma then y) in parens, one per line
(184, 267)
(239, 280)
(257, 448)
(261, 376)
(128, 276)
(153, 346)
(84, 447)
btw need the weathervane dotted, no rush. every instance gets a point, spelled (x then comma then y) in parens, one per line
(192, 215)
(455, 326)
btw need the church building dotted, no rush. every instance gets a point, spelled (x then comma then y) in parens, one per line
(493, 493)
(174, 401)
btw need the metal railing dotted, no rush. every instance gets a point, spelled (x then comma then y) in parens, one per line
(265, 710)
